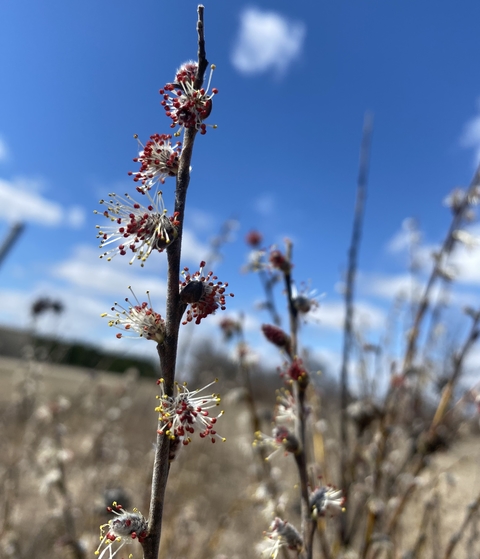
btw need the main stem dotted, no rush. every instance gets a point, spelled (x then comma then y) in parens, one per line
(167, 350)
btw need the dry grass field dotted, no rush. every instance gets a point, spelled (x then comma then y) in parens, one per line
(71, 442)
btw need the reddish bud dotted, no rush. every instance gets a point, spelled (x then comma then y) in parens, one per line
(254, 238)
(278, 261)
(276, 336)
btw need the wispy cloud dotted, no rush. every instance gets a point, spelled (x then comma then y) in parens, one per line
(390, 287)
(267, 41)
(404, 238)
(464, 262)
(75, 217)
(21, 200)
(331, 315)
(470, 137)
(264, 204)
(80, 318)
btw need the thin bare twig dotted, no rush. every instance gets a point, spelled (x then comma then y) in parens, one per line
(268, 283)
(71, 539)
(349, 293)
(422, 531)
(457, 369)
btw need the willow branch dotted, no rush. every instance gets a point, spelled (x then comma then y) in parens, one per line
(445, 249)
(167, 350)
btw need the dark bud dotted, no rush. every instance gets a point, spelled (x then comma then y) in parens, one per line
(192, 292)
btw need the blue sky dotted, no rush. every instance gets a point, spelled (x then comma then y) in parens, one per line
(294, 80)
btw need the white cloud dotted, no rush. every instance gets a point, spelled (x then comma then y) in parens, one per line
(193, 250)
(4, 151)
(399, 242)
(331, 315)
(389, 287)
(79, 320)
(405, 238)
(14, 306)
(21, 200)
(266, 40)
(466, 262)
(331, 359)
(470, 137)
(411, 289)
(76, 217)
(201, 220)
(85, 270)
